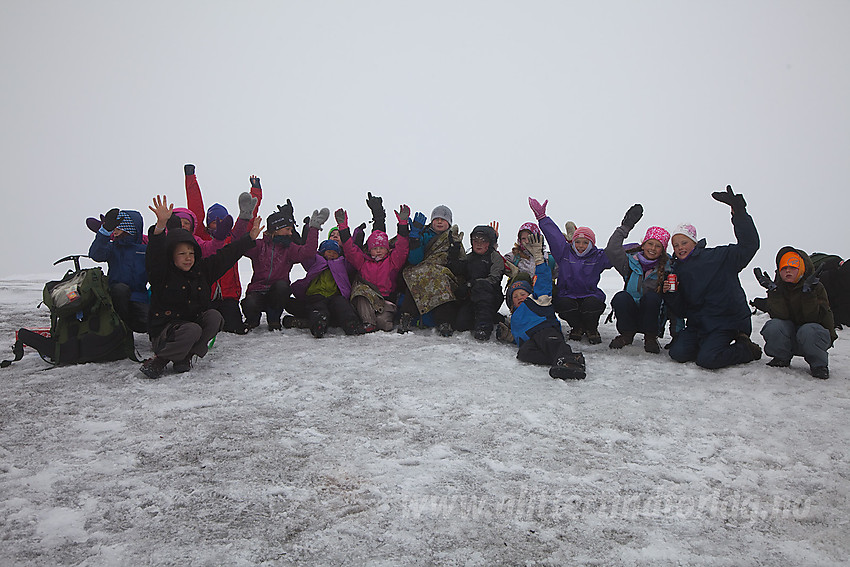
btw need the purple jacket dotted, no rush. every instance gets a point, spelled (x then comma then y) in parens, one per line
(578, 276)
(339, 270)
(273, 262)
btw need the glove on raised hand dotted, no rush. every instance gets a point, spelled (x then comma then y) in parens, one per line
(341, 218)
(764, 280)
(403, 214)
(418, 225)
(247, 202)
(110, 220)
(376, 205)
(539, 209)
(189, 169)
(810, 282)
(223, 228)
(633, 215)
(318, 218)
(736, 201)
(535, 247)
(255, 182)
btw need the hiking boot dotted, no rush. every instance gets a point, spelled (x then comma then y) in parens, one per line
(154, 367)
(821, 372)
(181, 366)
(404, 323)
(445, 329)
(621, 340)
(777, 362)
(319, 326)
(650, 344)
(594, 338)
(482, 334)
(274, 326)
(352, 328)
(576, 334)
(755, 350)
(290, 322)
(570, 367)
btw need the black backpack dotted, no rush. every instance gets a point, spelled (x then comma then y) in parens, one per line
(834, 274)
(84, 326)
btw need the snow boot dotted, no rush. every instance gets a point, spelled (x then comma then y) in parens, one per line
(154, 367)
(184, 365)
(320, 325)
(569, 367)
(755, 350)
(404, 323)
(777, 362)
(821, 372)
(621, 340)
(445, 329)
(650, 344)
(576, 334)
(290, 322)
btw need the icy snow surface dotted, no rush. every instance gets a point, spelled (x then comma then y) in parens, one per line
(390, 449)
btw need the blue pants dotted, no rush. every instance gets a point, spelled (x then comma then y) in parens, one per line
(634, 317)
(783, 339)
(712, 350)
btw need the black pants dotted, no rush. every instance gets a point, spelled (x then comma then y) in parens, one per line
(133, 313)
(583, 313)
(336, 308)
(480, 310)
(634, 317)
(545, 347)
(272, 302)
(229, 309)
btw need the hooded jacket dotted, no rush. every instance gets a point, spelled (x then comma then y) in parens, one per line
(178, 295)
(273, 262)
(578, 276)
(537, 311)
(125, 258)
(339, 268)
(800, 302)
(384, 274)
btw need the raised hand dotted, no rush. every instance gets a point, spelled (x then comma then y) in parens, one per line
(418, 225)
(247, 202)
(256, 230)
(223, 228)
(110, 220)
(341, 218)
(535, 247)
(633, 215)
(539, 209)
(255, 182)
(495, 226)
(764, 280)
(736, 201)
(318, 218)
(162, 210)
(403, 214)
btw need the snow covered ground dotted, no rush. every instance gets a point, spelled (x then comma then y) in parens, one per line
(414, 449)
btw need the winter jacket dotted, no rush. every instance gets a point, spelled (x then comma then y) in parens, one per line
(628, 265)
(430, 281)
(384, 274)
(229, 286)
(489, 266)
(339, 269)
(273, 262)
(537, 311)
(125, 257)
(578, 276)
(178, 295)
(791, 302)
(709, 294)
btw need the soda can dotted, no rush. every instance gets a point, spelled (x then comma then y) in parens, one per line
(672, 280)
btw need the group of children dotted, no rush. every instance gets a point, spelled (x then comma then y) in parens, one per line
(425, 276)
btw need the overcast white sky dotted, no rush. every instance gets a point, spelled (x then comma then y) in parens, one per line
(474, 104)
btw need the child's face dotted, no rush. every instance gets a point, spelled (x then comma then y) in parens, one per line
(518, 296)
(789, 274)
(581, 243)
(480, 245)
(184, 256)
(185, 224)
(682, 246)
(330, 254)
(334, 235)
(523, 237)
(652, 249)
(211, 226)
(378, 253)
(285, 231)
(440, 225)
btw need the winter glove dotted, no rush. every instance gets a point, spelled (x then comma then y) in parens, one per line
(503, 333)
(94, 224)
(511, 269)
(764, 280)
(418, 225)
(403, 214)
(318, 218)
(189, 169)
(570, 227)
(537, 208)
(454, 249)
(810, 282)
(246, 205)
(535, 247)
(223, 228)
(376, 205)
(454, 235)
(255, 182)
(341, 218)
(110, 220)
(737, 202)
(633, 215)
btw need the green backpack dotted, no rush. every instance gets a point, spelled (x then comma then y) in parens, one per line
(84, 326)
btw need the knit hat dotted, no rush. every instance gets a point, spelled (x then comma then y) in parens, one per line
(486, 232)
(518, 284)
(442, 212)
(378, 238)
(277, 221)
(585, 232)
(656, 233)
(184, 213)
(791, 259)
(684, 229)
(126, 224)
(332, 245)
(216, 213)
(530, 227)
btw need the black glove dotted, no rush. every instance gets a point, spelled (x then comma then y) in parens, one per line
(736, 201)
(110, 220)
(189, 169)
(633, 215)
(223, 228)
(255, 182)
(376, 205)
(764, 280)
(810, 282)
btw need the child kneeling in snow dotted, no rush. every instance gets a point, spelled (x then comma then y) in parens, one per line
(534, 326)
(182, 321)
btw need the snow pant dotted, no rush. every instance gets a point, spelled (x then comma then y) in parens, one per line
(133, 313)
(582, 313)
(384, 320)
(273, 302)
(480, 309)
(637, 317)
(712, 350)
(229, 309)
(445, 313)
(545, 346)
(335, 308)
(783, 339)
(181, 339)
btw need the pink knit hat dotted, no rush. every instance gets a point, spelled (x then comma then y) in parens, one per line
(585, 232)
(530, 227)
(684, 229)
(657, 233)
(378, 238)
